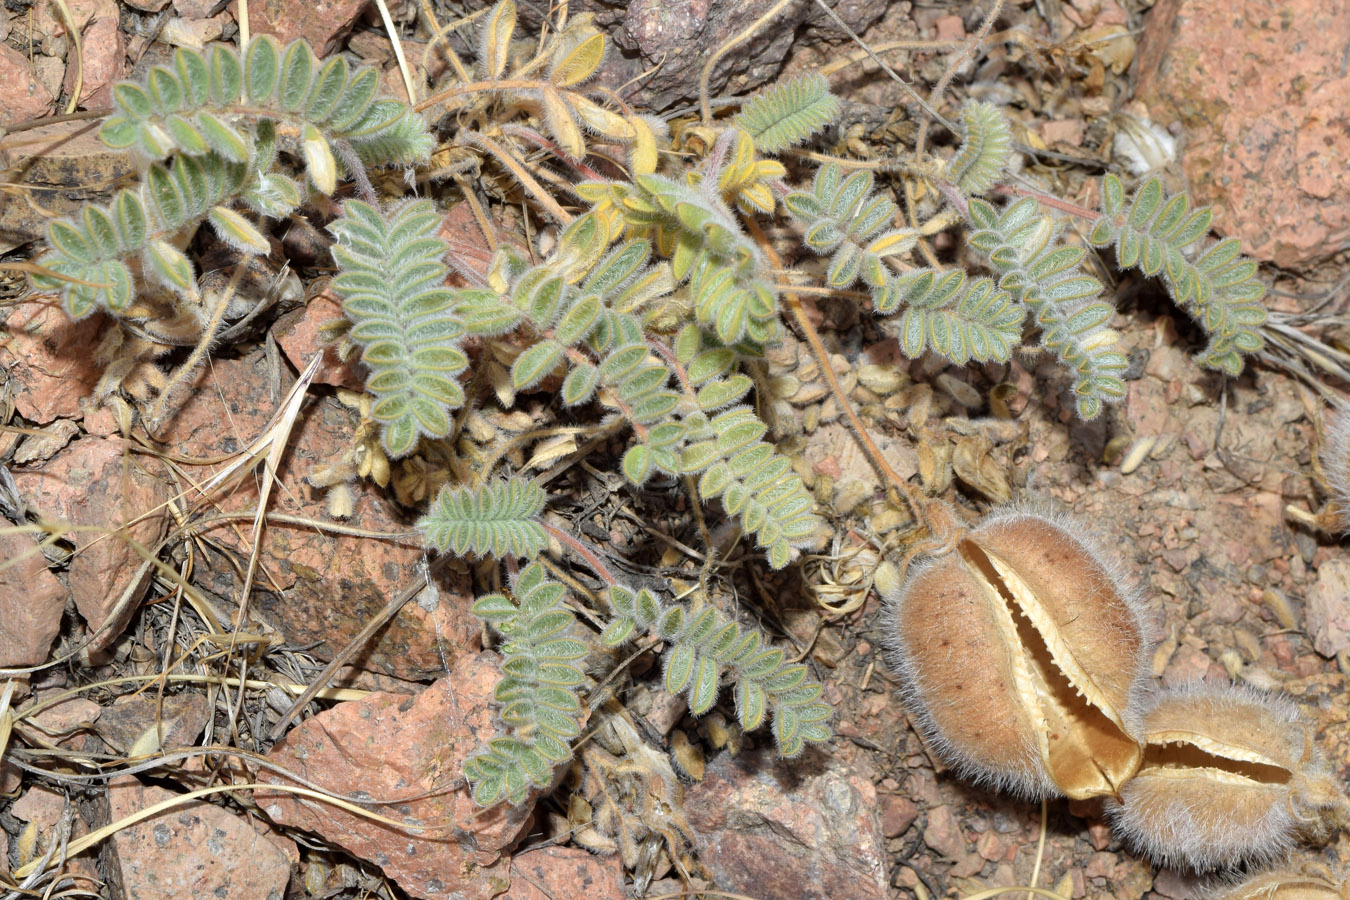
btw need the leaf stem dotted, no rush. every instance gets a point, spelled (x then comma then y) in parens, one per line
(1053, 202)
(586, 553)
(883, 469)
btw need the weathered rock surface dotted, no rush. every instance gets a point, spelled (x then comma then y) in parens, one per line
(51, 360)
(389, 746)
(333, 583)
(547, 873)
(658, 47)
(98, 482)
(321, 22)
(102, 48)
(31, 602)
(66, 162)
(25, 97)
(788, 831)
(1259, 89)
(1328, 608)
(147, 723)
(197, 851)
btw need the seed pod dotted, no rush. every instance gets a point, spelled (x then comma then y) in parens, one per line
(1018, 652)
(1336, 467)
(1230, 775)
(1288, 885)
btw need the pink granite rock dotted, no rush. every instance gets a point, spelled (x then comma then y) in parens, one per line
(549, 873)
(25, 97)
(1260, 90)
(781, 830)
(333, 583)
(1328, 608)
(659, 46)
(195, 851)
(31, 602)
(410, 751)
(98, 482)
(50, 358)
(321, 22)
(102, 48)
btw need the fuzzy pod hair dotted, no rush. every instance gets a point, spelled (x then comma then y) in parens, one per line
(1019, 653)
(1336, 465)
(1230, 776)
(1310, 883)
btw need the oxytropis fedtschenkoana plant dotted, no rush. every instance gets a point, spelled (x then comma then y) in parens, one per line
(641, 319)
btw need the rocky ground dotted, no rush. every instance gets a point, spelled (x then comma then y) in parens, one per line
(1201, 484)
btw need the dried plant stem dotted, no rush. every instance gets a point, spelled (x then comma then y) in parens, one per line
(527, 181)
(244, 33)
(923, 104)
(73, 30)
(705, 111)
(952, 66)
(208, 339)
(398, 49)
(873, 453)
(1045, 199)
(885, 47)
(479, 87)
(376, 622)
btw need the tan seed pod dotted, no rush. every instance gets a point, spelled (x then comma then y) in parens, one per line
(1289, 885)
(1336, 467)
(1019, 652)
(1230, 776)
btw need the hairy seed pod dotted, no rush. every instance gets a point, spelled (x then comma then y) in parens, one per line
(1230, 776)
(1336, 467)
(1312, 883)
(1315, 884)
(1019, 652)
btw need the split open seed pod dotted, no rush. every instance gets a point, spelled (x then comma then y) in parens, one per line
(1018, 653)
(1230, 776)
(1289, 885)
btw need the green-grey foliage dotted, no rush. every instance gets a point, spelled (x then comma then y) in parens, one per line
(392, 282)
(649, 312)
(584, 307)
(212, 102)
(1215, 284)
(841, 216)
(789, 112)
(986, 146)
(725, 448)
(958, 317)
(142, 221)
(537, 692)
(703, 644)
(696, 230)
(210, 125)
(491, 520)
(1022, 246)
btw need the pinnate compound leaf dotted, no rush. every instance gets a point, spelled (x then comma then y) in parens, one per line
(218, 103)
(1215, 285)
(492, 520)
(986, 146)
(391, 280)
(788, 113)
(537, 692)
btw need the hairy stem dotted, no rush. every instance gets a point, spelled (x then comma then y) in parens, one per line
(591, 558)
(883, 469)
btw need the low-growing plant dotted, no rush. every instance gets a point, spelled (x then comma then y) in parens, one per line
(647, 318)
